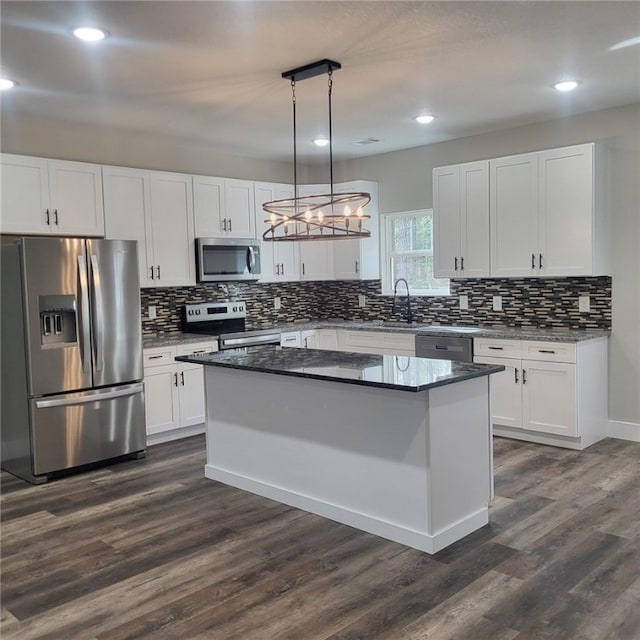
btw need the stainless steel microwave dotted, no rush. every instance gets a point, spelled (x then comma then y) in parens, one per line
(223, 259)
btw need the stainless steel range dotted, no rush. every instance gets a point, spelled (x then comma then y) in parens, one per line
(227, 321)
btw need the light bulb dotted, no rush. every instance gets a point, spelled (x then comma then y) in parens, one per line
(272, 219)
(90, 34)
(5, 83)
(307, 215)
(347, 211)
(359, 212)
(425, 118)
(320, 216)
(566, 85)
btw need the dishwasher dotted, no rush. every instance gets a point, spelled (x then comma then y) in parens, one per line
(444, 347)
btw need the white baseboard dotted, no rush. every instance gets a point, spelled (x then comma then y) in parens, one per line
(391, 531)
(624, 430)
(175, 434)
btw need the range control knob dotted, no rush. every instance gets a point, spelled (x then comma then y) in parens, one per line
(235, 309)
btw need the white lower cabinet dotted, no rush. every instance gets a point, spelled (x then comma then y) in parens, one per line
(381, 342)
(311, 339)
(554, 393)
(174, 392)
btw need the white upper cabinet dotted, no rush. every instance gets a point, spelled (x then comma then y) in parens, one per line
(513, 214)
(41, 196)
(208, 207)
(546, 214)
(172, 229)
(280, 259)
(223, 208)
(316, 256)
(127, 211)
(359, 259)
(154, 208)
(461, 220)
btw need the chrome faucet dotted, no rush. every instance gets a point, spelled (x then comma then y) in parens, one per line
(408, 299)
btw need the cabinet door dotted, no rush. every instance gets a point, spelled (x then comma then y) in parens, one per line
(127, 212)
(505, 391)
(208, 206)
(474, 220)
(25, 195)
(161, 403)
(309, 339)
(316, 259)
(446, 222)
(346, 260)
(192, 395)
(565, 209)
(513, 215)
(75, 190)
(240, 210)
(172, 229)
(549, 397)
(270, 266)
(327, 339)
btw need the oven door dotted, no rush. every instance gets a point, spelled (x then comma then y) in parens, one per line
(222, 259)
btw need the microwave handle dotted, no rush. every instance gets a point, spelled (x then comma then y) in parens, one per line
(251, 255)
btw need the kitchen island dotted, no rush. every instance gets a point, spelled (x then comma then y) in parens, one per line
(393, 445)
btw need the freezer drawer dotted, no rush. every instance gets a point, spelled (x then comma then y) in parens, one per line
(74, 429)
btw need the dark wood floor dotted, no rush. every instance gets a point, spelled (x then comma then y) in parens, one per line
(151, 549)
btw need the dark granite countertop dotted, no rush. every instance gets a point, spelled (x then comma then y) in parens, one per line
(494, 332)
(402, 373)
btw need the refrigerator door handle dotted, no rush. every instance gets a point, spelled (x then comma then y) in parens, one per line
(129, 390)
(98, 314)
(85, 338)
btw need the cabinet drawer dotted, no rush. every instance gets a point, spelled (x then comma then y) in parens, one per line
(362, 339)
(204, 347)
(291, 339)
(549, 351)
(404, 341)
(497, 348)
(158, 357)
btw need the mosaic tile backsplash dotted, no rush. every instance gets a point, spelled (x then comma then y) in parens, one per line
(527, 302)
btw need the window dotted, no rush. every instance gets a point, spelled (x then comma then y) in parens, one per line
(407, 252)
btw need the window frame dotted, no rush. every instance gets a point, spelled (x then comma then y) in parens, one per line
(387, 254)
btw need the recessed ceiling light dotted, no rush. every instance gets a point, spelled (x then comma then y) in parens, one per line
(566, 85)
(424, 118)
(90, 34)
(320, 142)
(5, 83)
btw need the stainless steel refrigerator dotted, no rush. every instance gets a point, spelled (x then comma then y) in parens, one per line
(72, 391)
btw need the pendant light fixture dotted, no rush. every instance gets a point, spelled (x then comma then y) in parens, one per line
(329, 216)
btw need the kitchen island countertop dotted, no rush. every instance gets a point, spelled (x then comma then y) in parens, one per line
(402, 373)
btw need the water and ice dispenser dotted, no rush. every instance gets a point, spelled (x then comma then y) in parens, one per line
(57, 320)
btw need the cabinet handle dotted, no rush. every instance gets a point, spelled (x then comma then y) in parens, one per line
(276, 268)
(455, 263)
(175, 379)
(539, 261)
(524, 376)
(289, 339)
(533, 260)
(461, 263)
(48, 217)
(515, 373)
(201, 351)
(306, 343)
(303, 268)
(158, 272)
(224, 224)
(357, 267)
(55, 217)
(229, 224)
(496, 348)
(546, 351)
(151, 269)
(154, 357)
(182, 378)
(282, 268)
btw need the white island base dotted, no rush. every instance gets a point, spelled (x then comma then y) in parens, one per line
(412, 467)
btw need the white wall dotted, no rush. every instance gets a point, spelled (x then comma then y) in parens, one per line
(26, 135)
(404, 179)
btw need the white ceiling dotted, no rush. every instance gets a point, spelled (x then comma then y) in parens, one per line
(212, 70)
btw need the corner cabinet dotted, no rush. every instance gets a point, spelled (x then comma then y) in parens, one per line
(174, 392)
(550, 392)
(280, 260)
(223, 208)
(461, 220)
(155, 208)
(546, 213)
(58, 197)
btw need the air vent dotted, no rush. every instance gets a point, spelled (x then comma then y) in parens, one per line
(368, 141)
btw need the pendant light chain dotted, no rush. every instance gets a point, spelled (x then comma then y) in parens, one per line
(330, 74)
(295, 154)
